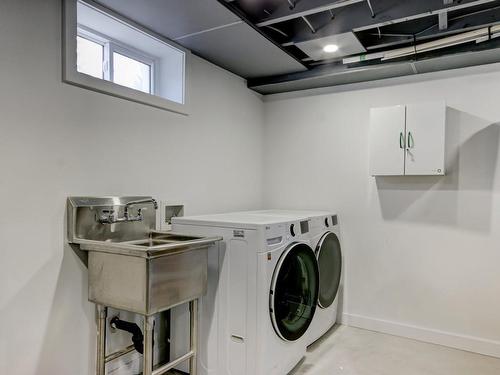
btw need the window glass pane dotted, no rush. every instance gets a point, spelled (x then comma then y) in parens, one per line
(89, 57)
(131, 73)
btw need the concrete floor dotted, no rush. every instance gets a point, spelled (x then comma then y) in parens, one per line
(353, 351)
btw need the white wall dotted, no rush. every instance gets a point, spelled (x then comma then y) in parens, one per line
(58, 140)
(423, 253)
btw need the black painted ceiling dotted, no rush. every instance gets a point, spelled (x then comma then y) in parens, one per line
(271, 42)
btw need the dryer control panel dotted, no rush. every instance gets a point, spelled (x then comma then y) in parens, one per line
(304, 226)
(330, 221)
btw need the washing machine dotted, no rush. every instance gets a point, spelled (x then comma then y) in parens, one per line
(325, 240)
(263, 287)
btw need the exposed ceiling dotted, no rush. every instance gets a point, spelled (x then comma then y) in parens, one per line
(278, 45)
(212, 31)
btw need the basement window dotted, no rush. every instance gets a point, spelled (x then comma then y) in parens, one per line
(110, 54)
(101, 57)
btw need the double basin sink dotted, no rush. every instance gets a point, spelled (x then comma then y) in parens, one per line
(148, 275)
(133, 267)
(152, 245)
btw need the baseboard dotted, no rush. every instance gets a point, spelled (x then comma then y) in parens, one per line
(463, 342)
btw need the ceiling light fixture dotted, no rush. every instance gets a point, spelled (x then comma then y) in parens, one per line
(330, 48)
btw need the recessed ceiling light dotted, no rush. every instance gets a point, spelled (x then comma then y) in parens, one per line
(330, 48)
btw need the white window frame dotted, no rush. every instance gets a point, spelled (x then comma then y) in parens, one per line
(73, 77)
(111, 46)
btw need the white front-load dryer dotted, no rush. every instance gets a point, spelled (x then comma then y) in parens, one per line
(325, 240)
(262, 292)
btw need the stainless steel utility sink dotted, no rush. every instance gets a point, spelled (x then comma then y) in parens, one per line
(152, 245)
(132, 266)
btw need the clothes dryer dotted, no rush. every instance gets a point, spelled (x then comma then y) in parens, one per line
(325, 240)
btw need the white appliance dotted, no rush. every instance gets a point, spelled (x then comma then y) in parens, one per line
(263, 285)
(325, 240)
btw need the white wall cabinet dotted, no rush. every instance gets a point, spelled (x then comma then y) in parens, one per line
(408, 140)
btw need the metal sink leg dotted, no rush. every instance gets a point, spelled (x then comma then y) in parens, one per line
(193, 336)
(102, 312)
(147, 360)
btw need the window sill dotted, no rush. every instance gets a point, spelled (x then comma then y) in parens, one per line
(110, 88)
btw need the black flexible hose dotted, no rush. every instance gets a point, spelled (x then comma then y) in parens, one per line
(137, 337)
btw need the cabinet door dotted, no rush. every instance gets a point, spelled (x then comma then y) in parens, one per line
(425, 138)
(387, 141)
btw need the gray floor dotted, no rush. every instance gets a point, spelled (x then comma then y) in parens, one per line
(352, 351)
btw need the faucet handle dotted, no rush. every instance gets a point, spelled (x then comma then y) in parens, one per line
(155, 203)
(108, 216)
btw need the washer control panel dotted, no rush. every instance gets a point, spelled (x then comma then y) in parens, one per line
(303, 225)
(277, 234)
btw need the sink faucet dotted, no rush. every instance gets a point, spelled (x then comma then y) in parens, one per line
(108, 216)
(139, 215)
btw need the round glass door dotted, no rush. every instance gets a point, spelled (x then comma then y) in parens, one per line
(294, 291)
(329, 257)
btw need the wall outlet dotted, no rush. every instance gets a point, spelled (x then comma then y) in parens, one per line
(168, 211)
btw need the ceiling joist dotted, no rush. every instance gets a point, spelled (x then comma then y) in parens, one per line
(303, 9)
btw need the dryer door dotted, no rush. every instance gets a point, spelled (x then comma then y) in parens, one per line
(329, 257)
(294, 291)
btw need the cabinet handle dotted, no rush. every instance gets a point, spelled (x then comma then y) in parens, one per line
(411, 143)
(401, 140)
